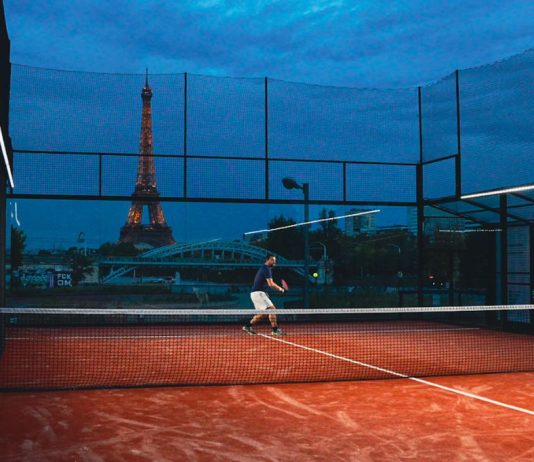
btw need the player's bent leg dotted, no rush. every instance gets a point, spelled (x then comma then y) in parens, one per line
(255, 320)
(249, 330)
(274, 322)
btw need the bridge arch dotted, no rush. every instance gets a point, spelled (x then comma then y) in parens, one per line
(195, 254)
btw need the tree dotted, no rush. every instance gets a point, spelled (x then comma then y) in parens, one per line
(329, 229)
(329, 235)
(18, 245)
(382, 255)
(478, 261)
(121, 249)
(442, 254)
(80, 265)
(286, 242)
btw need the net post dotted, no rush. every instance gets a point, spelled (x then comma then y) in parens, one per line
(3, 246)
(450, 291)
(185, 135)
(458, 158)
(503, 205)
(306, 190)
(3, 318)
(531, 312)
(266, 108)
(420, 208)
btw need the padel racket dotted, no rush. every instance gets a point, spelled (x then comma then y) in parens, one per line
(285, 285)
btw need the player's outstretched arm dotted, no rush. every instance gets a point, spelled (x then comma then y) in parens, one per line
(274, 285)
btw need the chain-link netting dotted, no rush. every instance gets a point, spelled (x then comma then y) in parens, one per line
(82, 131)
(319, 122)
(496, 124)
(438, 106)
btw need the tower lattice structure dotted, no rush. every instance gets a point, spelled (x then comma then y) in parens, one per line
(157, 232)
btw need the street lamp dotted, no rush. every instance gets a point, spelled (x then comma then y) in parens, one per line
(399, 272)
(325, 256)
(81, 240)
(290, 183)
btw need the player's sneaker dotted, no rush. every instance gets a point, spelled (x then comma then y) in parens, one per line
(249, 330)
(277, 331)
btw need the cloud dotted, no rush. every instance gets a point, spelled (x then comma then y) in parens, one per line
(328, 42)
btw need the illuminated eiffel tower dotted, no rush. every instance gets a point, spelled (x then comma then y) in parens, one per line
(156, 232)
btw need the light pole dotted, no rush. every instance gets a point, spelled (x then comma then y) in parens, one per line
(399, 272)
(290, 183)
(81, 240)
(323, 265)
(325, 257)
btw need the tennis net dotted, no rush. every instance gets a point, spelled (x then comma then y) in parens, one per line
(50, 349)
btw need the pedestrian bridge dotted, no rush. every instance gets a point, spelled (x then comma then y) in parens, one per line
(215, 254)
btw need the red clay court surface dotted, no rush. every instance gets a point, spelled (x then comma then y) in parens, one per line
(378, 420)
(375, 420)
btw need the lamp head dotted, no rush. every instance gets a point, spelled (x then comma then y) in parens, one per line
(290, 183)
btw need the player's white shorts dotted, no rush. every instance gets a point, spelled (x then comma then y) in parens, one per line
(261, 300)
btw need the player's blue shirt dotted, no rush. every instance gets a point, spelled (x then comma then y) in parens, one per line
(260, 281)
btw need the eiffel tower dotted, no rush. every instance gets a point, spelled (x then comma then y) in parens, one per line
(157, 232)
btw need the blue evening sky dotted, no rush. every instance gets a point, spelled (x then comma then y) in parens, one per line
(369, 43)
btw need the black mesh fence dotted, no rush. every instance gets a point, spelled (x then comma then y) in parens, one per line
(63, 118)
(439, 179)
(59, 174)
(317, 122)
(381, 182)
(225, 117)
(90, 112)
(77, 134)
(328, 188)
(439, 117)
(496, 124)
(226, 178)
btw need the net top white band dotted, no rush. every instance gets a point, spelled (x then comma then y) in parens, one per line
(249, 312)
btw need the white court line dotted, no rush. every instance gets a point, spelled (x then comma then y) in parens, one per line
(404, 376)
(330, 332)
(106, 337)
(394, 331)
